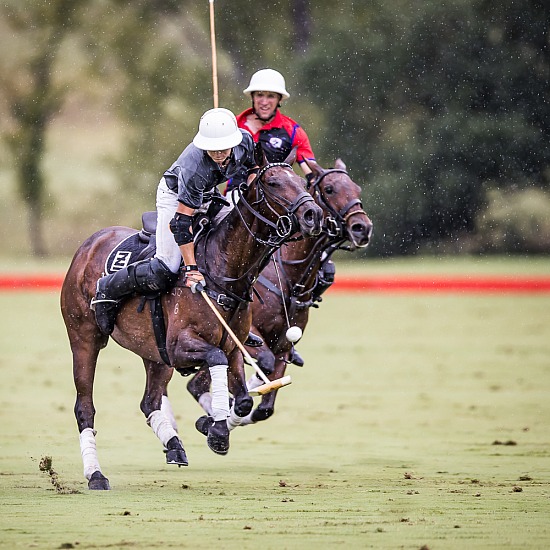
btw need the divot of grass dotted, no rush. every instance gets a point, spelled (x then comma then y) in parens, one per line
(46, 466)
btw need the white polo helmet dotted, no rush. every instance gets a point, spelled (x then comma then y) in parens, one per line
(267, 80)
(218, 130)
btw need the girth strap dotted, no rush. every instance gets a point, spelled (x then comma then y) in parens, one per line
(159, 327)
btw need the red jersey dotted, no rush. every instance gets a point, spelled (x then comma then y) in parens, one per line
(279, 136)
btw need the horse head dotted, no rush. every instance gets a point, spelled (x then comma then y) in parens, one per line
(278, 197)
(340, 198)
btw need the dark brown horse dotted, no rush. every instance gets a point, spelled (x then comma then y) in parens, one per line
(287, 284)
(231, 254)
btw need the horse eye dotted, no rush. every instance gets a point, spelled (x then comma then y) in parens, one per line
(329, 190)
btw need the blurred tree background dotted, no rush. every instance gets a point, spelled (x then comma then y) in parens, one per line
(440, 109)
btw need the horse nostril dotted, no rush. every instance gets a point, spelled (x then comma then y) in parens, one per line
(313, 220)
(309, 217)
(362, 231)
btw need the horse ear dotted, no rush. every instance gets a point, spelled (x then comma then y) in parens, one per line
(291, 159)
(315, 168)
(259, 155)
(339, 164)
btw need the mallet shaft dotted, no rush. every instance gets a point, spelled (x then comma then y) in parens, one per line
(214, 56)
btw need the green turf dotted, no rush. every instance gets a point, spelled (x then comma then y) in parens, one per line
(418, 420)
(350, 265)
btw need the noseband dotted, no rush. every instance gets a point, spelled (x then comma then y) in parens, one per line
(287, 223)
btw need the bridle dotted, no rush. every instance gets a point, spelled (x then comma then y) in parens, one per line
(335, 237)
(334, 225)
(286, 224)
(282, 230)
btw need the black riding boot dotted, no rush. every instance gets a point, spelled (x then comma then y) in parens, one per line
(325, 278)
(142, 278)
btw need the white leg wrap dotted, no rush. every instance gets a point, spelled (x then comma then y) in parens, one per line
(220, 393)
(247, 420)
(205, 401)
(166, 408)
(233, 420)
(161, 426)
(254, 382)
(89, 452)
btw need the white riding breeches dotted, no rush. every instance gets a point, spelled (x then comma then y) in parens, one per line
(167, 249)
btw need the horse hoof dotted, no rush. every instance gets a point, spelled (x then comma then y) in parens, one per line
(98, 482)
(218, 437)
(260, 414)
(175, 453)
(203, 424)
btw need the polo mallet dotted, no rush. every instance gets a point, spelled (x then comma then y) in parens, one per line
(214, 57)
(268, 385)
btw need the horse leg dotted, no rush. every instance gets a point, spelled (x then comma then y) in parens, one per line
(199, 388)
(85, 348)
(266, 408)
(166, 406)
(242, 402)
(223, 418)
(216, 425)
(157, 377)
(266, 362)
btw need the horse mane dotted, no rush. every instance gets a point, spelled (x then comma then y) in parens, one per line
(216, 247)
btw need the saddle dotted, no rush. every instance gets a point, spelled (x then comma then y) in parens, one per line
(141, 245)
(138, 246)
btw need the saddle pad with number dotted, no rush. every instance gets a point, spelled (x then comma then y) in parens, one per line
(133, 248)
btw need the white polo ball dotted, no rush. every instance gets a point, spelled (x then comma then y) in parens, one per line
(293, 334)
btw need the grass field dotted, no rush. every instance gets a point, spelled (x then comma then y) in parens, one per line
(417, 421)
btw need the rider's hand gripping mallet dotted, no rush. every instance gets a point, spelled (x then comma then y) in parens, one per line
(268, 385)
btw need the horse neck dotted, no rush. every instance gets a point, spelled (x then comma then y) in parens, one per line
(234, 255)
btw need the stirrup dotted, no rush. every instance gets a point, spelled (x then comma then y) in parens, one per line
(95, 301)
(105, 314)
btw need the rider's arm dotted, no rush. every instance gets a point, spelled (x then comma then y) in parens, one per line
(301, 141)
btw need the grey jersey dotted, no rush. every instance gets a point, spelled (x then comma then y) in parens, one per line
(195, 175)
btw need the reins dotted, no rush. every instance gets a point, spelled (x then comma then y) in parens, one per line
(282, 229)
(286, 224)
(335, 236)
